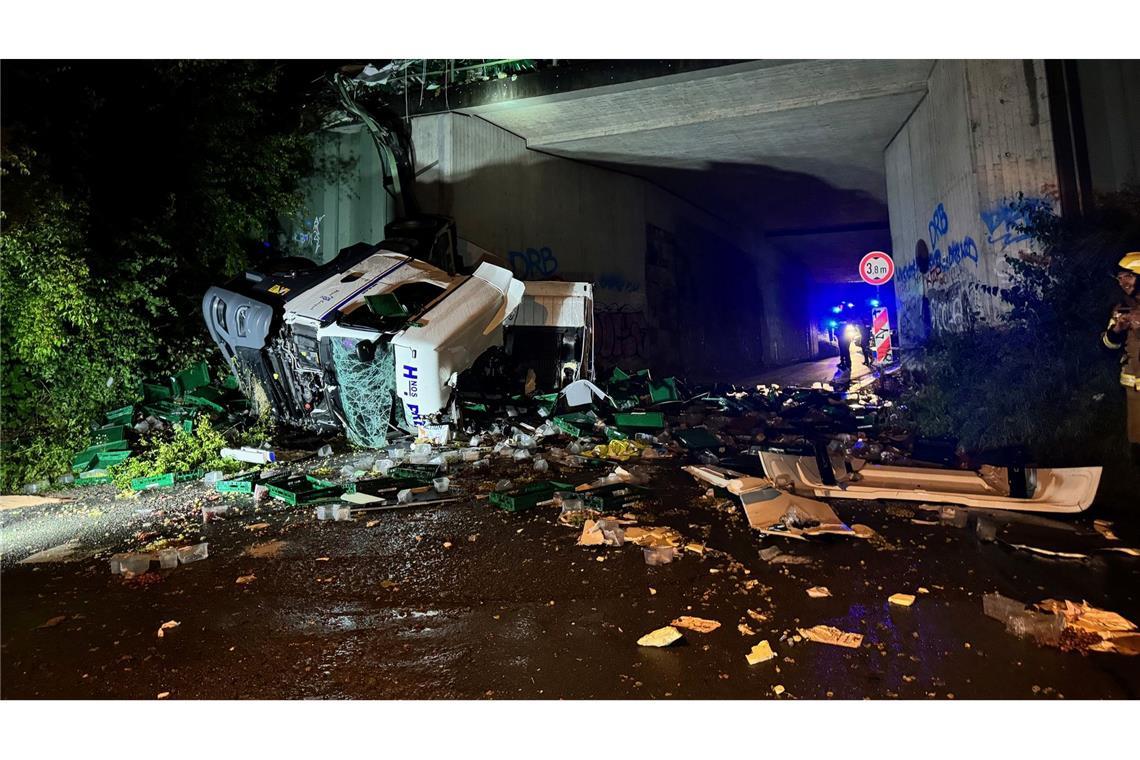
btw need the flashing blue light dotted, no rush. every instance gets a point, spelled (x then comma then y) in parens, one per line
(850, 305)
(832, 324)
(836, 309)
(875, 302)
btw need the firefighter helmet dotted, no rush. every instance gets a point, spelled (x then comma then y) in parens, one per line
(1131, 262)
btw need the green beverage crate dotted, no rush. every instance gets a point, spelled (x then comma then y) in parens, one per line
(109, 433)
(528, 496)
(121, 416)
(165, 480)
(302, 489)
(666, 390)
(240, 484)
(643, 420)
(110, 459)
(189, 379)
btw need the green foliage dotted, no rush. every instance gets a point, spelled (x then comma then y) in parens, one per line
(69, 348)
(129, 188)
(183, 452)
(1041, 378)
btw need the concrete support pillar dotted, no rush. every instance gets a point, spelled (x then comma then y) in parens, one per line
(980, 138)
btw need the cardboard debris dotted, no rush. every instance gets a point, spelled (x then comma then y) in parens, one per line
(245, 579)
(745, 630)
(818, 592)
(1084, 617)
(700, 625)
(762, 652)
(901, 600)
(662, 637)
(265, 549)
(655, 536)
(17, 501)
(591, 534)
(825, 634)
(162, 629)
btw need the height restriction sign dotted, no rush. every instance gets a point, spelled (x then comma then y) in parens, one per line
(876, 268)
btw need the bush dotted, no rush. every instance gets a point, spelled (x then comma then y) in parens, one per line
(181, 453)
(1041, 379)
(129, 188)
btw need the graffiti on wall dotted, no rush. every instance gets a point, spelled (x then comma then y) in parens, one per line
(946, 253)
(620, 334)
(1006, 220)
(939, 289)
(533, 263)
(616, 283)
(307, 237)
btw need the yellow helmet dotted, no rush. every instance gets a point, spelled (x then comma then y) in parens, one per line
(1131, 262)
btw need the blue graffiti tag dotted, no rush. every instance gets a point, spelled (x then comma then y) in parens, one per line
(956, 251)
(907, 273)
(1007, 219)
(533, 263)
(939, 225)
(616, 282)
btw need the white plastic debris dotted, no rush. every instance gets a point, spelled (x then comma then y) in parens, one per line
(249, 454)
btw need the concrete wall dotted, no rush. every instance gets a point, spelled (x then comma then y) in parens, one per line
(1110, 100)
(346, 203)
(676, 287)
(786, 285)
(979, 138)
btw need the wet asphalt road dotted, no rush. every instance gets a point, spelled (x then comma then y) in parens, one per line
(514, 609)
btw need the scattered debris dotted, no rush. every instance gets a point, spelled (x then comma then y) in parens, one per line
(245, 579)
(53, 622)
(901, 600)
(66, 552)
(169, 624)
(266, 549)
(825, 634)
(21, 501)
(1115, 633)
(762, 652)
(662, 637)
(700, 625)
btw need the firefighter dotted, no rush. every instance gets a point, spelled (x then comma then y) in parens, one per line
(846, 338)
(1123, 332)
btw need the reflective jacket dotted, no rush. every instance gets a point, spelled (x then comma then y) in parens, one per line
(1130, 342)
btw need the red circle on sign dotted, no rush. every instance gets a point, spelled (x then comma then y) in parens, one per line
(876, 268)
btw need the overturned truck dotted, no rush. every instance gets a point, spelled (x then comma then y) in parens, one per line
(380, 339)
